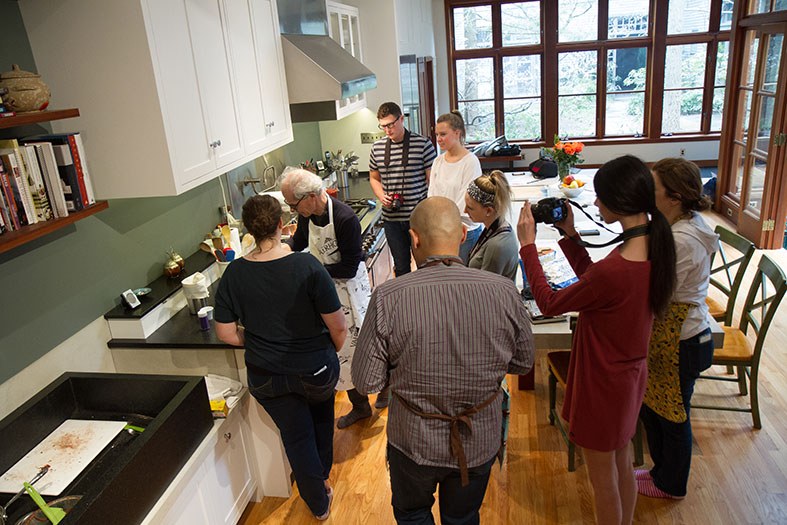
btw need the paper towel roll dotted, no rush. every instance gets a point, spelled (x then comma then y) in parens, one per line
(235, 241)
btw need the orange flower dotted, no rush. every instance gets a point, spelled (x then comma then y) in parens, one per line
(579, 146)
(559, 145)
(569, 149)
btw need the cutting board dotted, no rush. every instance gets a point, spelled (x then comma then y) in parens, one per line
(67, 451)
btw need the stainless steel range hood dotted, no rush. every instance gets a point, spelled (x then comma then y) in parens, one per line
(319, 71)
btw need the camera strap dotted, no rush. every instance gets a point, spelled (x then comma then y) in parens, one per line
(405, 150)
(636, 231)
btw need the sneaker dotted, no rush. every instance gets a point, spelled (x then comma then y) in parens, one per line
(642, 474)
(383, 398)
(646, 487)
(323, 517)
(353, 416)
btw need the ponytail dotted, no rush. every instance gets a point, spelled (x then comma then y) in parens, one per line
(661, 253)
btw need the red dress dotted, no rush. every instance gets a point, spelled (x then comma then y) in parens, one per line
(608, 368)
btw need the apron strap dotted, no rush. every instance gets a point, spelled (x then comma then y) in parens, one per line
(457, 449)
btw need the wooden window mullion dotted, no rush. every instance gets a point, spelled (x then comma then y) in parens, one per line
(549, 71)
(659, 56)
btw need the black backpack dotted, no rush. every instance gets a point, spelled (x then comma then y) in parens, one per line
(543, 168)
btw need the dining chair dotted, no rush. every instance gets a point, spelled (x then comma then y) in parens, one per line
(728, 274)
(557, 362)
(765, 294)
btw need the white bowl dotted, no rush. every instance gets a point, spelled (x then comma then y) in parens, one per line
(571, 193)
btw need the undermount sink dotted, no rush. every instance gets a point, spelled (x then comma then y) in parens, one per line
(126, 479)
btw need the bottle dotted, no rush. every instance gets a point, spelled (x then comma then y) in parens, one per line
(204, 322)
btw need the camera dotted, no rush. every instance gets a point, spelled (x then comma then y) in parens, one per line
(396, 201)
(550, 210)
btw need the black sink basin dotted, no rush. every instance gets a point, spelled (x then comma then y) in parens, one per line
(129, 475)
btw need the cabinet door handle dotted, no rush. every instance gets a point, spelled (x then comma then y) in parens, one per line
(218, 143)
(228, 436)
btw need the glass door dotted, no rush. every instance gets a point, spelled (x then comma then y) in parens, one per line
(754, 182)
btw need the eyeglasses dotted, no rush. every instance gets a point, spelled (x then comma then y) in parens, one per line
(388, 126)
(294, 206)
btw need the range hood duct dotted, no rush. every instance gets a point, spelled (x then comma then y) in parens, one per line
(319, 71)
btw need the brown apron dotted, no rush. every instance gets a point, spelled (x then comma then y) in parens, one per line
(457, 449)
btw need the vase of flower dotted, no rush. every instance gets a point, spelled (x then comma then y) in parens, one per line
(565, 154)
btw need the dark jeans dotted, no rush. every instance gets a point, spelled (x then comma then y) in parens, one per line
(670, 443)
(397, 233)
(413, 487)
(302, 408)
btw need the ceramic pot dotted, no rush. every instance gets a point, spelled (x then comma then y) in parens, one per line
(26, 91)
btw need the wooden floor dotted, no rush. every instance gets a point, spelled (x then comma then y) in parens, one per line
(739, 475)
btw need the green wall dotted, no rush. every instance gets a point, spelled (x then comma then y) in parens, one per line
(54, 286)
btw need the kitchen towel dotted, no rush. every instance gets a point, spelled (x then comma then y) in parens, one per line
(220, 387)
(195, 286)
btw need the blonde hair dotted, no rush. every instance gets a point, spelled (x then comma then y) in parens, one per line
(455, 120)
(496, 183)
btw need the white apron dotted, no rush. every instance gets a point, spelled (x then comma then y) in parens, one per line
(353, 293)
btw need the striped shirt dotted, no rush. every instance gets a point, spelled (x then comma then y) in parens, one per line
(446, 336)
(409, 181)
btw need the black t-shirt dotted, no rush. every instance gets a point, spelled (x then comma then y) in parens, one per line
(279, 303)
(348, 237)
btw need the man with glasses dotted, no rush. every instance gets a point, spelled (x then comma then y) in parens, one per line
(332, 232)
(399, 168)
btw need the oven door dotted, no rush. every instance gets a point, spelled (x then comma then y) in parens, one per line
(380, 264)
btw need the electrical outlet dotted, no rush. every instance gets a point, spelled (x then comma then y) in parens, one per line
(370, 138)
(682, 152)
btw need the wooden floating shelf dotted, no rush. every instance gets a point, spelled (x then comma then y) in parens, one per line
(33, 117)
(10, 240)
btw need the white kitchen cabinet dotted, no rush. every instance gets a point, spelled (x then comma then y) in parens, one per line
(343, 27)
(163, 86)
(216, 484)
(259, 65)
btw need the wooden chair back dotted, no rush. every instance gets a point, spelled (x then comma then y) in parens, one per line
(728, 275)
(765, 294)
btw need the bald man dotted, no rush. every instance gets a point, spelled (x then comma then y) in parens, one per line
(444, 337)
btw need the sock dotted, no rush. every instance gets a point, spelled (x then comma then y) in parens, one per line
(353, 416)
(642, 474)
(646, 487)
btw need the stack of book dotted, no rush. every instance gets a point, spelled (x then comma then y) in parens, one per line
(41, 178)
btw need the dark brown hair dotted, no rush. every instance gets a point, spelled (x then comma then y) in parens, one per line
(389, 108)
(681, 180)
(455, 120)
(625, 186)
(261, 215)
(496, 184)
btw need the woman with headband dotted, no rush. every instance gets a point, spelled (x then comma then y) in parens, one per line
(486, 201)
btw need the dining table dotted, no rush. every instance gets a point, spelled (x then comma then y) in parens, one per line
(557, 335)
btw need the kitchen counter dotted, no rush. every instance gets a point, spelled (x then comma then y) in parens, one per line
(182, 331)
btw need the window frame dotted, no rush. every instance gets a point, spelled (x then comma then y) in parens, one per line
(549, 49)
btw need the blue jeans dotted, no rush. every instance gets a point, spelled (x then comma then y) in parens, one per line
(398, 235)
(470, 240)
(670, 443)
(302, 408)
(413, 487)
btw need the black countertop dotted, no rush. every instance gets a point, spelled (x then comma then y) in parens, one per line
(182, 330)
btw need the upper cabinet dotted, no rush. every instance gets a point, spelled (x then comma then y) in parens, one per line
(343, 28)
(172, 93)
